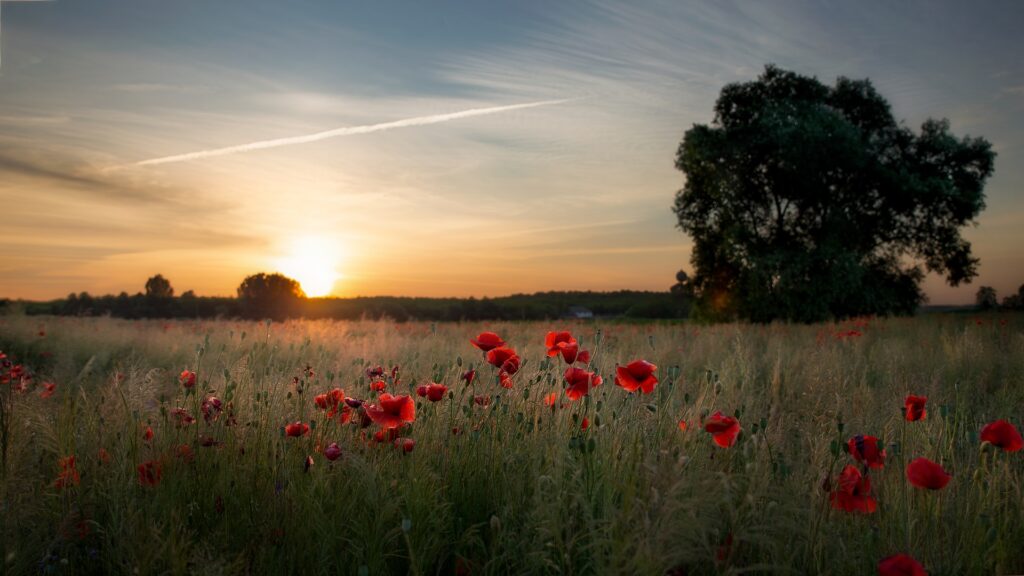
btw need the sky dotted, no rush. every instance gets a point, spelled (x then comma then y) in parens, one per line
(427, 177)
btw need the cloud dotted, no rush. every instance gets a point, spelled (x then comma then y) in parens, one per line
(346, 131)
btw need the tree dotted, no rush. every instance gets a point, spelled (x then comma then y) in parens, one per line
(274, 296)
(986, 298)
(1015, 301)
(807, 201)
(159, 287)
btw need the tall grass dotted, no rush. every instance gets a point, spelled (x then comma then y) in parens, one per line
(521, 488)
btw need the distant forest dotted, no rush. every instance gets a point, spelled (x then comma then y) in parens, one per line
(159, 301)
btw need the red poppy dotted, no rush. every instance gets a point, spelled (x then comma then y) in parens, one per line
(505, 379)
(1003, 435)
(482, 400)
(580, 382)
(900, 565)
(296, 429)
(386, 435)
(332, 452)
(392, 411)
(147, 435)
(378, 386)
(865, 449)
(185, 452)
(585, 424)
(48, 390)
(68, 475)
(562, 343)
(150, 473)
(436, 392)
(183, 417)
(211, 408)
(468, 376)
(683, 425)
(923, 473)
(187, 378)
(487, 341)
(104, 456)
(551, 399)
(504, 359)
(405, 444)
(913, 408)
(723, 429)
(307, 464)
(421, 391)
(375, 371)
(583, 357)
(636, 374)
(854, 493)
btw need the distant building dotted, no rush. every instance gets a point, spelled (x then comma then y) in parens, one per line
(579, 312)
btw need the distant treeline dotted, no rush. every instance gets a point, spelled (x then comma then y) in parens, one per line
(539, 306)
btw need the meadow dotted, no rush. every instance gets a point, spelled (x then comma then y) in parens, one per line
(513, 474)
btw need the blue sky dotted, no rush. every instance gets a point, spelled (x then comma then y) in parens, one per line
(569, 196)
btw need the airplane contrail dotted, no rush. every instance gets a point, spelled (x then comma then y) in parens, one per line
(346, 131)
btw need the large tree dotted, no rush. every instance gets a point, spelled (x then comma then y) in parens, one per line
(808, 201)
(273, 296)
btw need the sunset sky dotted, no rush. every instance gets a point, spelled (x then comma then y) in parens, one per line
(572, 193)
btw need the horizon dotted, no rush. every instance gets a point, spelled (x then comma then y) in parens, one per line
(455, 151)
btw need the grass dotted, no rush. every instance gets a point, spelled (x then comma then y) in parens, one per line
(522, 489)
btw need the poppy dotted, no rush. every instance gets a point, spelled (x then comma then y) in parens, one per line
(332, 452)
(504, 358)
(48, 390)
(68, 475)
(923, 473)
(147, 435)
(187, 378)
(183, 417)
(585, 424)
(865, 449)
(296, 429)
(723, 429)
(683, 425)
(900, 565)
(378, 386)
(487, 341)
(580, 382)
(211, 408)
(636, 374)
(562, 343)
(505, 379)
(854, 493)
(551, 399)
(386, 435)
(405, 444)
(421, 391)
(392, 411)
(307, 464)
(1003, 435)
(913, 408)
(185, 452)
(468, 376)
(104, 456)
(150, 473)
(436, 392)
(583, 357)
(375, 372)
(482, 400)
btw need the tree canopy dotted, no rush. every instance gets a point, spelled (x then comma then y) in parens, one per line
(273, 296)
(808, 202)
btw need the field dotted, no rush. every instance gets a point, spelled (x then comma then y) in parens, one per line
(496, 480)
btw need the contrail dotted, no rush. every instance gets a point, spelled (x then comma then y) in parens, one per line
(347, 131)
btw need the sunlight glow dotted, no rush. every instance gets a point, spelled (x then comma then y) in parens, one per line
(313, 261)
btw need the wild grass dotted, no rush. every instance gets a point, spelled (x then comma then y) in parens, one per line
(522, 489)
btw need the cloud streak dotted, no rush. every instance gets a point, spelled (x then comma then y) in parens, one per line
(346, 131)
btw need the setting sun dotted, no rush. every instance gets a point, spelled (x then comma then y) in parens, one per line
(313, 261)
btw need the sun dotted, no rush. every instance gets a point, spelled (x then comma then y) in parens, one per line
(314, 262)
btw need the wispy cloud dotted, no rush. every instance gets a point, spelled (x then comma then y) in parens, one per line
(346, 131)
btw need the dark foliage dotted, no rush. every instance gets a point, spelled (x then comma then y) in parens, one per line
(809, 202)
